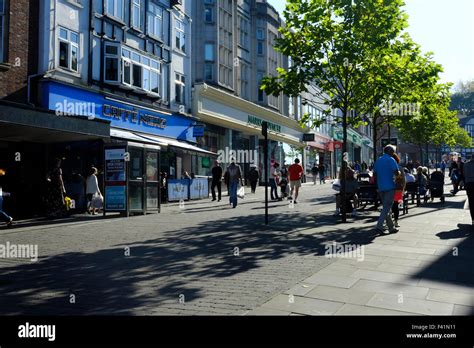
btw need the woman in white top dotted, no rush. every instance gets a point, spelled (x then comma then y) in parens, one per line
(92, 189)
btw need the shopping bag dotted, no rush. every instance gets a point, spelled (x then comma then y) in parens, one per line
(336, 185)
(97, 201)
(466, 204)
(241, 192)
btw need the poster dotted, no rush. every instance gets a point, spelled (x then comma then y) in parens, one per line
(115, 197)
(178, 189)
(114, 165)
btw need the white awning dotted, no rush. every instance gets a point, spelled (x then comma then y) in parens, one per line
(179, 144)
(136, 138)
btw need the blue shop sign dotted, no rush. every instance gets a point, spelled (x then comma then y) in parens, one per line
(70, 101)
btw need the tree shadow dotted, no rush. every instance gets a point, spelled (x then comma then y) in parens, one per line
(234, 252)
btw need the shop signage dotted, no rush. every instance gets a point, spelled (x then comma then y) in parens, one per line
(120, 114)
(258, 122)
(132, 116)
(308, 137)
(114, 165)
(115, 197)
(198, 130)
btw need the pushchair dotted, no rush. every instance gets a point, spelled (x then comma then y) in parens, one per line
(436, 186)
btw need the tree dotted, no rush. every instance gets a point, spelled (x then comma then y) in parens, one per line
(331, 45)
(463, 98)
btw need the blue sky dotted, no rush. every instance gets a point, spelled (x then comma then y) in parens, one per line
(444, 27)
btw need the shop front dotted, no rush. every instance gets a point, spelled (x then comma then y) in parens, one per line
(151, 142)
(320, 152)
(233, 129)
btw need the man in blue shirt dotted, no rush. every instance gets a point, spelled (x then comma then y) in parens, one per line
(386, 168)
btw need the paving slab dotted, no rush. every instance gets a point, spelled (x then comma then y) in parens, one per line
(332, 280)
(391, 288)
(412, 305)
(355, 310)
(303, 305)
(331, 293)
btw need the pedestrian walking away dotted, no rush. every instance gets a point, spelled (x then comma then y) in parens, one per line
(235, 177)
(216, 181)
(469, 184)
(284, 181)
(254, 177)
(296, 172)
(4, 216)
(314, 173)
(322, 173)
(385, 169)
(55, 203)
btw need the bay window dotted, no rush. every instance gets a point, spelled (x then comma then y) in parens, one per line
(115, 8)
(68, 47)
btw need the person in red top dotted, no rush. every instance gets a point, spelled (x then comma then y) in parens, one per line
(296, 171)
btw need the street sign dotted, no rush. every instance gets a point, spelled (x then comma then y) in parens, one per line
(385, 142)
(308, 137)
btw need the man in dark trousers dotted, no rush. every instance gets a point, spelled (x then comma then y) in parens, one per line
(216, 180)
(469, 184)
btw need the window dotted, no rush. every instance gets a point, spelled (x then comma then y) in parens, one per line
(259, 82)
(180, 84)
(2, 30)
(155, 21)
(260, 34)
(136, 13)
(209, 52)
(111, 63)
(208, 71)
(115, 8)
(260, 46)
(180, 36)
(68, 49)
(208, 14)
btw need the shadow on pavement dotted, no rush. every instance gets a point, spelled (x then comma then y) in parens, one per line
(158, 271)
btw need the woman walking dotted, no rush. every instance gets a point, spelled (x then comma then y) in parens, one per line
(92, 191)
(274, 182)
(55, 203)
(400, 184)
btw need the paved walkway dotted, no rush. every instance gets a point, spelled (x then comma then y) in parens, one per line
(211, 259)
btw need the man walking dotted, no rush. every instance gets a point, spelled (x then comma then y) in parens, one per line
(254, 177)
(216, 181)
(235, 177)
(296, 171)
(386, 169)
(469, 184)
(314, 173)
(322, 173)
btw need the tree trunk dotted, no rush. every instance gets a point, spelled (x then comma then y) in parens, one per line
(375, 138)
(421, 152)
(343, 165)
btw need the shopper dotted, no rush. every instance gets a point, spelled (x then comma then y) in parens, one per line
(254, 177)
(55, 203)
(4, 217)
(284, 181)
(235, 177)
(314, 173)
(385, 168)
(92, 192)
(322, 173)
(216, 181)
(400, 184)
(275, 181)
(296, 172)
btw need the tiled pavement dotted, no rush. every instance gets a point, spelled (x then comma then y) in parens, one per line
(219, 260)
(425, 269)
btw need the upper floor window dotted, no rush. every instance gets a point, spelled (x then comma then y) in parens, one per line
(2, 30)
(209, 52)
(155, 21)
(260, 34)
(68, 47)
(180, 35)
(136, 13)
(208, 14)
(115, 8)
(259, 82)
(180, 88)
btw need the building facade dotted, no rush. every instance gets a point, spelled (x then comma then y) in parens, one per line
(232, 54)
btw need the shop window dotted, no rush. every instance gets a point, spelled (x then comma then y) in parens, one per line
(115, 8)
(68, 47)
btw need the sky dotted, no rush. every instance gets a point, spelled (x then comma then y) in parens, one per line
(444, 27)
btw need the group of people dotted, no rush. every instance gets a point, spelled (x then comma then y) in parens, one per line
(288, 179)
(319, 170)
